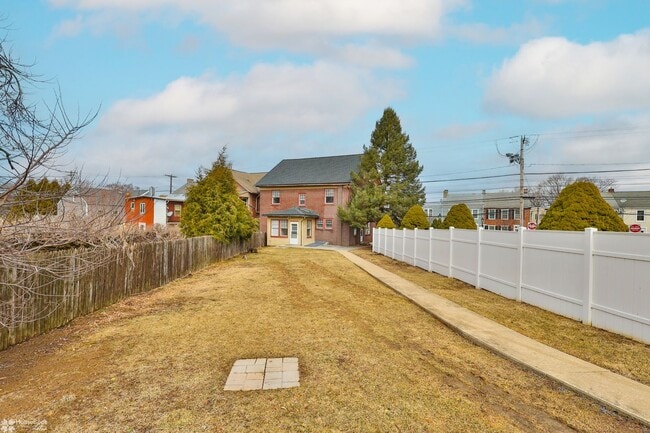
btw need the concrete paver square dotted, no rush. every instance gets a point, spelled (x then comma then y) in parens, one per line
(263, 373)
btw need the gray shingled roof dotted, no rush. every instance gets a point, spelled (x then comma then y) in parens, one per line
(312, 171)
(293, 212)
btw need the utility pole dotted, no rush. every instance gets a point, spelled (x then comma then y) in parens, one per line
(522, 144)
(170, 176)
(518, 158)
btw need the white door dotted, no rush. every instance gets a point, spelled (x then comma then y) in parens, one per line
(294, 238)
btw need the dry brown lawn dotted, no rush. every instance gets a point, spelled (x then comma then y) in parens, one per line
(612, 351)
(370, 361)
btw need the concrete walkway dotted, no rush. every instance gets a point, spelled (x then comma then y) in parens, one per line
(620, 393)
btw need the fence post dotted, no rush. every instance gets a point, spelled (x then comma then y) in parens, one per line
(375, 240)
(392, 250)
(429, 267)
(415, 244)
(589, 275)
(403, 244)
(478, 257)
(450, 273)
(520, 252)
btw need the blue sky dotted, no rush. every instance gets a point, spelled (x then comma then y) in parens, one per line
(175, 80)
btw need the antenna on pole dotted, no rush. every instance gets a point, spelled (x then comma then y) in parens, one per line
(171, 177)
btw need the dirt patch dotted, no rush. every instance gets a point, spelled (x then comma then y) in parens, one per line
(369, 361)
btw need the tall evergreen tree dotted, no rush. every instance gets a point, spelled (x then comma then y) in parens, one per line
(213, 208)
(387, 180)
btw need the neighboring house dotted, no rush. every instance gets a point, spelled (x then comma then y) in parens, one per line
(491, 210)
(247, 190)
(632, 206)
(299, 200)
(92, 203)
(146, 209)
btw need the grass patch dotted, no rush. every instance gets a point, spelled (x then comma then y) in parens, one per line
(617, 353)
(370, 361)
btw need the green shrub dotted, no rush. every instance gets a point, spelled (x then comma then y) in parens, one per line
(579, 206)
(386, 223)
(415, 218)
(459, 217)
(438, 224)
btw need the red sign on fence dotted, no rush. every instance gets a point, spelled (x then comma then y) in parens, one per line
(635, 228)
(532, 225)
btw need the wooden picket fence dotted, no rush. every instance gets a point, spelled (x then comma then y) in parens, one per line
(88, 280)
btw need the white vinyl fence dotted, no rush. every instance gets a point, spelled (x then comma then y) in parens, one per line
(599, 278)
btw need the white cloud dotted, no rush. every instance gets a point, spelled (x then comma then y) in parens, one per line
(479, 33)
(364, 31)
(257, 115)
(553, 78)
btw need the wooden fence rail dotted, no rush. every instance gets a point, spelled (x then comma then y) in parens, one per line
(87, 280)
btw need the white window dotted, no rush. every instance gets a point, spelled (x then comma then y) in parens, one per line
(309, 228)
(475, 213)
(142, 226)
(301, 199)
(505, 214)
(284, 228)
(275, 228)
(516, 212)
(640, 215)
(143, 208)
(275, 197)
(177, 210)
(491, 227)
(492, 214)
(505, 228)
(279, 228)
(319, 224)
(132, 204)
(329, 195)
(328, 224)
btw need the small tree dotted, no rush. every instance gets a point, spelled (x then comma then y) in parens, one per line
(460, 217)
(437, 223)
(386, 222)
(37, 198)
(415, 218)
(579, 206)
(213, 207)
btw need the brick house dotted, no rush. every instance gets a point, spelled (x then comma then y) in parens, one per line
(146, 209)
(299, 200)
(248, 192)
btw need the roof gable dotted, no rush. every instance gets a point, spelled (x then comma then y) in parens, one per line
(247, 180)
(312, 171)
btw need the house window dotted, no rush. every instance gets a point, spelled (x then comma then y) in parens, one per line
(505, 228)
(475, 213)
(301, 199)
(505, 213)
(328, 224)
(516, 214)
(279, 228)
(368, 228)
(319, 224)
(177, 210)
(640, 215)
(275, 197)
(143, 208)
(329, 195)
(132, 204)
(142, 226)
(309, 229)
(492, 214)
(491, 227)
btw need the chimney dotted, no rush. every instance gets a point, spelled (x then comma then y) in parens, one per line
(610, 190)
(152, 191)
(190, 181)
(445, 193)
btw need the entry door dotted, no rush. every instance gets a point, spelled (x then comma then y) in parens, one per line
(294, 238)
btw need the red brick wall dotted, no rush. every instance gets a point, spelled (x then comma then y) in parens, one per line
(315, 201)
(508, 222)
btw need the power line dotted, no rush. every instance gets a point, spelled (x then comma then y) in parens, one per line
(548, 173)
